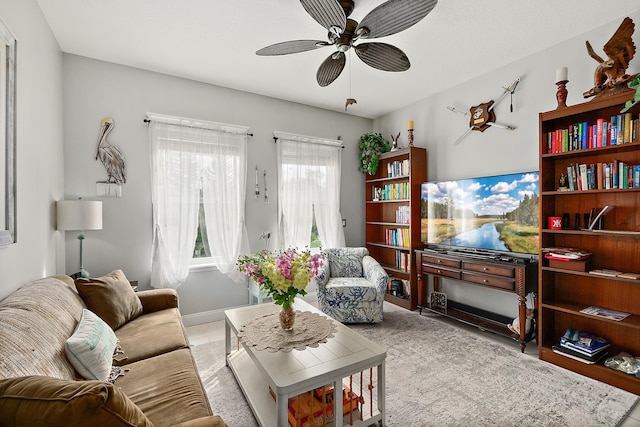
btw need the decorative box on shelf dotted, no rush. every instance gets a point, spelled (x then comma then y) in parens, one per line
(583, 265)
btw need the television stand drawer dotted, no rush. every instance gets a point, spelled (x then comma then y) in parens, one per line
(498, 270)
(440, 261)
(493, 281)
(441, 271)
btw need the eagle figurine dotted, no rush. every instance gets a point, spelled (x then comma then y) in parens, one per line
(611, 73)
(110, 155)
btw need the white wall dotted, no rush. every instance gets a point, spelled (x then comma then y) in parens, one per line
(39, 250)
(94, 90)
(497, 151)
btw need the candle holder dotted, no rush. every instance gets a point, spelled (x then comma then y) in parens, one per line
(561, 94)
(410, 137)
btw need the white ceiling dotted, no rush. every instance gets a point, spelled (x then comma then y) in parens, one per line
(214, 41)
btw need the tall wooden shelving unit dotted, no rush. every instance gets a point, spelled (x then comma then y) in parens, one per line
(564, 293)
(381, 219)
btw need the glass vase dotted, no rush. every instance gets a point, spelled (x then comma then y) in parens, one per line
(287, 318)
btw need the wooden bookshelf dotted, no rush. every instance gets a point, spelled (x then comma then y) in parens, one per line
(392, 216)
(564, 293)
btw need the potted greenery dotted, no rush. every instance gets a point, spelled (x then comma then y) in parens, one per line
(371, 145)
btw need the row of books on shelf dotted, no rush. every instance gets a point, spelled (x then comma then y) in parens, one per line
(396, 191)
(602, 176)
(315, 408)
(398, 168)
(582, 346)
(403, 260)
(619, 129)
(397, 237)
(403, 215)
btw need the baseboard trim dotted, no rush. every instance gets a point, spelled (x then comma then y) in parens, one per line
(215, 315)
(204, 316)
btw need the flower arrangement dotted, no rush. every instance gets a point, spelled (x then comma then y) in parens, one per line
(282, 275)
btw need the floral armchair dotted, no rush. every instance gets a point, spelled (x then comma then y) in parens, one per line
(351, 286)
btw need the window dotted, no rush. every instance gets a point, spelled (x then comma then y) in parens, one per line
(309, 171)
(198, 188)
(201, 250)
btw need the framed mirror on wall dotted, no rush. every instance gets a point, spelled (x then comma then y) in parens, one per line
(7, 136)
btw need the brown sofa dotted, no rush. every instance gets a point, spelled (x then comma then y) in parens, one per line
(39, 386)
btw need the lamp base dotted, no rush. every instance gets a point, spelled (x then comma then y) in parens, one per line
(83, 273)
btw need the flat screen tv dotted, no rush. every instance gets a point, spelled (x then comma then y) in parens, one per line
(497, 214)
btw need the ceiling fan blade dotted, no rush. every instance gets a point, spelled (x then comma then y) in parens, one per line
(293, 46)
(327, 13)
(394, 16)
(331, 68)
(383, 56)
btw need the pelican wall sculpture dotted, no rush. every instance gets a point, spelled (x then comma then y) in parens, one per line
(113, 160)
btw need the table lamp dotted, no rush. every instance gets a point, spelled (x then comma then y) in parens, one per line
(79, 215)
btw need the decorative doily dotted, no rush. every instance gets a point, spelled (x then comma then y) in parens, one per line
(264, 332)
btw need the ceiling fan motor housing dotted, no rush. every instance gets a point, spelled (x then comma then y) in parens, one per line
(346, 38)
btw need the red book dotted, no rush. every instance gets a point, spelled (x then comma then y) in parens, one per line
(599, 125)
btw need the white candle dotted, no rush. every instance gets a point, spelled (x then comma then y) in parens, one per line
(562, 74)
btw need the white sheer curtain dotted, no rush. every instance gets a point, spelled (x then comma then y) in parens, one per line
(188, 156)
(309, 171)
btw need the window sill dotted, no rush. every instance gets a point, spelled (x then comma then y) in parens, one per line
(202, 267)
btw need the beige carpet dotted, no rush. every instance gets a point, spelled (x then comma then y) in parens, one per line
(442, 375)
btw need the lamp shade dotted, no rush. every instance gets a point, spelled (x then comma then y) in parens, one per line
(79, 215)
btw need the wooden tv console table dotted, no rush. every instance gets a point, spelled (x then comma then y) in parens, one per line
(514, 275)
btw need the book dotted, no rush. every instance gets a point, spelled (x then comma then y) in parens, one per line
(566, 254)
(583, 342)
(606, 313)
(634, 276)
(574, 347)
(605, 272)
(584, 183)
(577, 356)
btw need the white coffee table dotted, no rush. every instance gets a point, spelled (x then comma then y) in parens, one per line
(344, 356)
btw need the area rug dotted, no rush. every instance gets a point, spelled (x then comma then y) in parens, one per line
(439, 374)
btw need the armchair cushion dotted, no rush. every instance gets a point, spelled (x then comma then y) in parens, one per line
(351, 288)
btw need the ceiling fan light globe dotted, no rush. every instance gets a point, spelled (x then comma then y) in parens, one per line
(334, 32)
(362, 33)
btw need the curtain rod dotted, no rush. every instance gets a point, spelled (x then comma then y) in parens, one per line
(275, 140)
(147, 121)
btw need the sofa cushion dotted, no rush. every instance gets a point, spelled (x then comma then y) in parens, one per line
(111, 297)
(35, 321)
(90, 348)
(149, 335)
(52, 402)
(166, 388)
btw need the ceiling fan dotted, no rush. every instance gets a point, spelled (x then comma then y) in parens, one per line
(388, 18)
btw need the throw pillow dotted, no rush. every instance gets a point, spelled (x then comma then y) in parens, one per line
(345, 262)
(111, 297)
(90, 348)
(53, 402)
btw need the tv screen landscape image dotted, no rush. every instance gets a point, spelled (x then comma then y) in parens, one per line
(495, 213)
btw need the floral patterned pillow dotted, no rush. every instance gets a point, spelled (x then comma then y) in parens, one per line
(346, 262)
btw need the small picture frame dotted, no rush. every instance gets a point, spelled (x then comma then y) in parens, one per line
(438, 300)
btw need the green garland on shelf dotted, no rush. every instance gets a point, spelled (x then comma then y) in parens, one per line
(371, 145)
